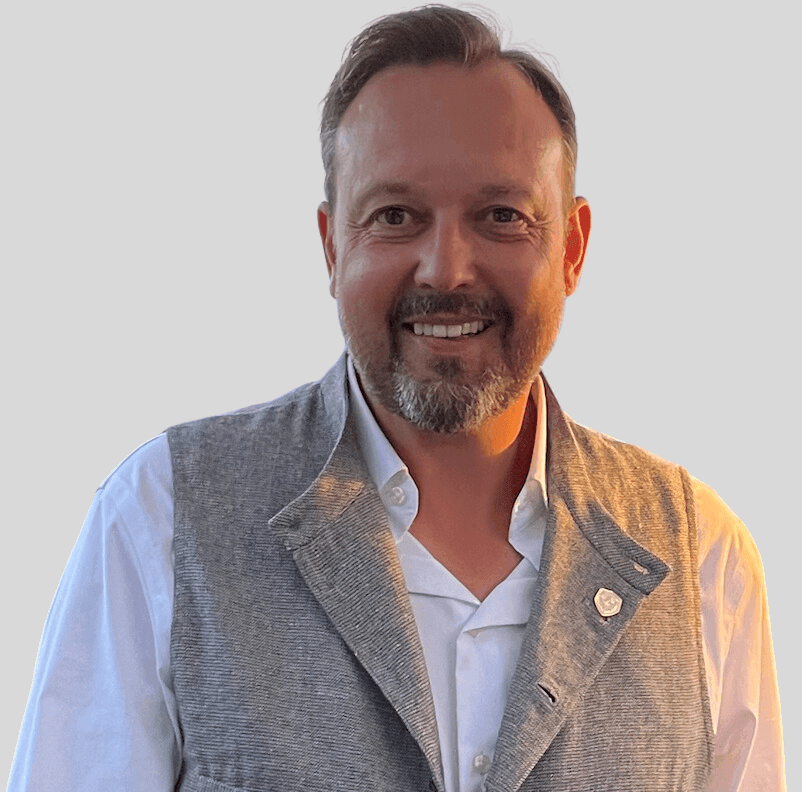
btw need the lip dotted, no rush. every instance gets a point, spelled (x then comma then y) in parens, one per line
(446, 319)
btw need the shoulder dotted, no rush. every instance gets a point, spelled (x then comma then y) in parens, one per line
(638, 486)
(729, 560)
(299, 400)
(720, 522)
(133, 507)
(318, 407)
(604, 449)
(147, 466)
(720, 533)
(277, 448)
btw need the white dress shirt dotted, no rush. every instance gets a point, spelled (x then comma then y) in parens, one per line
(471, 647)
(102, 713)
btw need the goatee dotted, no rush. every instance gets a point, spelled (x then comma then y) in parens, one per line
(449, 401)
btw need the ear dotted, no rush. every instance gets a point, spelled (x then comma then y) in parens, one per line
(325, 224)
(577, 233)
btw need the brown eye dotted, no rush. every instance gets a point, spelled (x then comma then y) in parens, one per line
(393, 216)
(503, 214)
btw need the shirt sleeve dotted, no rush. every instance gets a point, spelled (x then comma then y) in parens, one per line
(739, 658)
(101, 713)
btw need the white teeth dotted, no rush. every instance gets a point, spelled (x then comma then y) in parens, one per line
(448, 331)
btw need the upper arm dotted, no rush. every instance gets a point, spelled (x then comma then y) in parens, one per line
(739, 659)
(101, 713)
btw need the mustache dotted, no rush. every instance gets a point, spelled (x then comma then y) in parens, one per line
(421, 304)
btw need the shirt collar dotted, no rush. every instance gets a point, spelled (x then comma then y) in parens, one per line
(399, 492)
(382, 461)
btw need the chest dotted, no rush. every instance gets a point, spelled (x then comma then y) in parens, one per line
(476, 553)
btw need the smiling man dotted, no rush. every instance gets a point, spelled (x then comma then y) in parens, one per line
(418, 573)
(454, 234)
(451, 252)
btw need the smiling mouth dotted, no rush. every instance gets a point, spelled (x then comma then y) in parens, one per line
(448, 330)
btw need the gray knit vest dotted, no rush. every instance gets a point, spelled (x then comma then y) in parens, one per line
(296, 662)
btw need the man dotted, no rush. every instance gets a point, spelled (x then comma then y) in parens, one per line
(418, 573)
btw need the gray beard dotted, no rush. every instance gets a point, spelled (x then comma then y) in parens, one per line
(448, 407)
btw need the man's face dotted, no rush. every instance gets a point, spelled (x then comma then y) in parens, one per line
(446, 248)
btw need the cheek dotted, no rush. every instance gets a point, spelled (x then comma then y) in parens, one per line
(523, 289)
(369, 284)
(360, 290)
(364, 301)
(537, 301)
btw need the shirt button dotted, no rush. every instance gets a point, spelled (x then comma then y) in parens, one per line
(396, 496)
(481, 763)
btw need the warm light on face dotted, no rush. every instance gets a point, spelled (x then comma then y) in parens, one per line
(446, 247)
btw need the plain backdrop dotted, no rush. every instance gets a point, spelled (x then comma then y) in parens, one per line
(159, 176)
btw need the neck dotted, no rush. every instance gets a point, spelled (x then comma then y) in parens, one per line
(487, 466)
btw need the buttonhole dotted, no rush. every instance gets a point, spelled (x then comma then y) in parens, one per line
(641, 569)
(551, 697)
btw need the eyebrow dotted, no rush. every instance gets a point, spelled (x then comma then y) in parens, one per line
(389, 188)
(405, 189)
(504, 190)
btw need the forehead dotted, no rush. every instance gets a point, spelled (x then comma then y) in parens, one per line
(449, 125)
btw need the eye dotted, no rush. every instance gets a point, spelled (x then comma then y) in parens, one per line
(504, 221)
(394, 223)
(503, 214)
(391, 216)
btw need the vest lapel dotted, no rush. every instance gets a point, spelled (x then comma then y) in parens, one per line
(568, 639)
(338, 533)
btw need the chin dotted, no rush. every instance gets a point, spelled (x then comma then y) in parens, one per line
(448, 399)
(448, 406)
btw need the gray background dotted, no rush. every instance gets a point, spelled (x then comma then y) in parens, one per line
(159, 176)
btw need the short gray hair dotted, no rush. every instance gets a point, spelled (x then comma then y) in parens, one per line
(436, 34)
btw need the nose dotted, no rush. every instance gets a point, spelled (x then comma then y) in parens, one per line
(447, 257)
